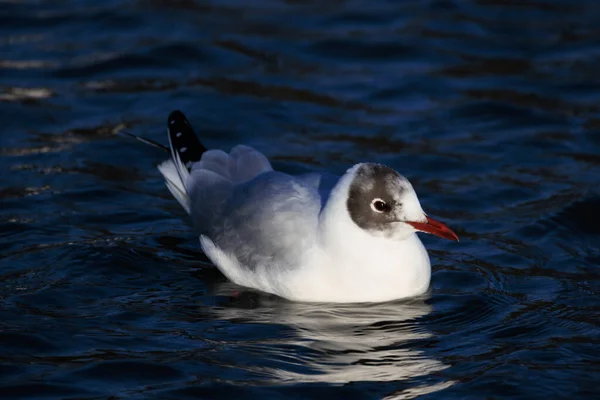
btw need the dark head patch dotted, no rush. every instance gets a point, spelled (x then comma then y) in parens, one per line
(374, 184)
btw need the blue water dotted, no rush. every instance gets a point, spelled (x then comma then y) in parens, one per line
(491, 109)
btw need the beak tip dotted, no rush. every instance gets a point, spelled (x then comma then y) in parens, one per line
(453, 236)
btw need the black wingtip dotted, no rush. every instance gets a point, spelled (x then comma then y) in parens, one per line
(183, 140)
(176, 115)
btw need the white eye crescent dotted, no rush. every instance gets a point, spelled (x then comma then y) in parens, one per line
(379, 206)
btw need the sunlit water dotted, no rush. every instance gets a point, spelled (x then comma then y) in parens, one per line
(490, 108)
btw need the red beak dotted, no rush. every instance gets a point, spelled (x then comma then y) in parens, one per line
(434, 227)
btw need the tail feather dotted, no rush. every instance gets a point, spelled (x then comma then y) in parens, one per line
(185, 150)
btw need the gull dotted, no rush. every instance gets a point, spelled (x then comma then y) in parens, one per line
(314, 237)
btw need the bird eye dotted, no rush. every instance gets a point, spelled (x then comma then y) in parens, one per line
(379, 206)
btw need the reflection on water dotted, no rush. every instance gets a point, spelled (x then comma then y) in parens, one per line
(490, 108)
(346, 343)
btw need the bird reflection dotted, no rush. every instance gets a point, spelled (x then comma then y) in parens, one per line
(340, 343)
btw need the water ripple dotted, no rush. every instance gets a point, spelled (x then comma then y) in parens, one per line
(490, 108)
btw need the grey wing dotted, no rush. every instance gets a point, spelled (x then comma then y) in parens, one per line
(269, 221)
(212, 180)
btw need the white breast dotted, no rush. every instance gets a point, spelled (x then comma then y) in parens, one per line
(362, 269)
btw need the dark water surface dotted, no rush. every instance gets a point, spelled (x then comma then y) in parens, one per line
(490, 107)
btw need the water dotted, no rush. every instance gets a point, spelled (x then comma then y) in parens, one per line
(490, 108)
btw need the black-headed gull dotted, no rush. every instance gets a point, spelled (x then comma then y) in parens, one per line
(312, 237)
